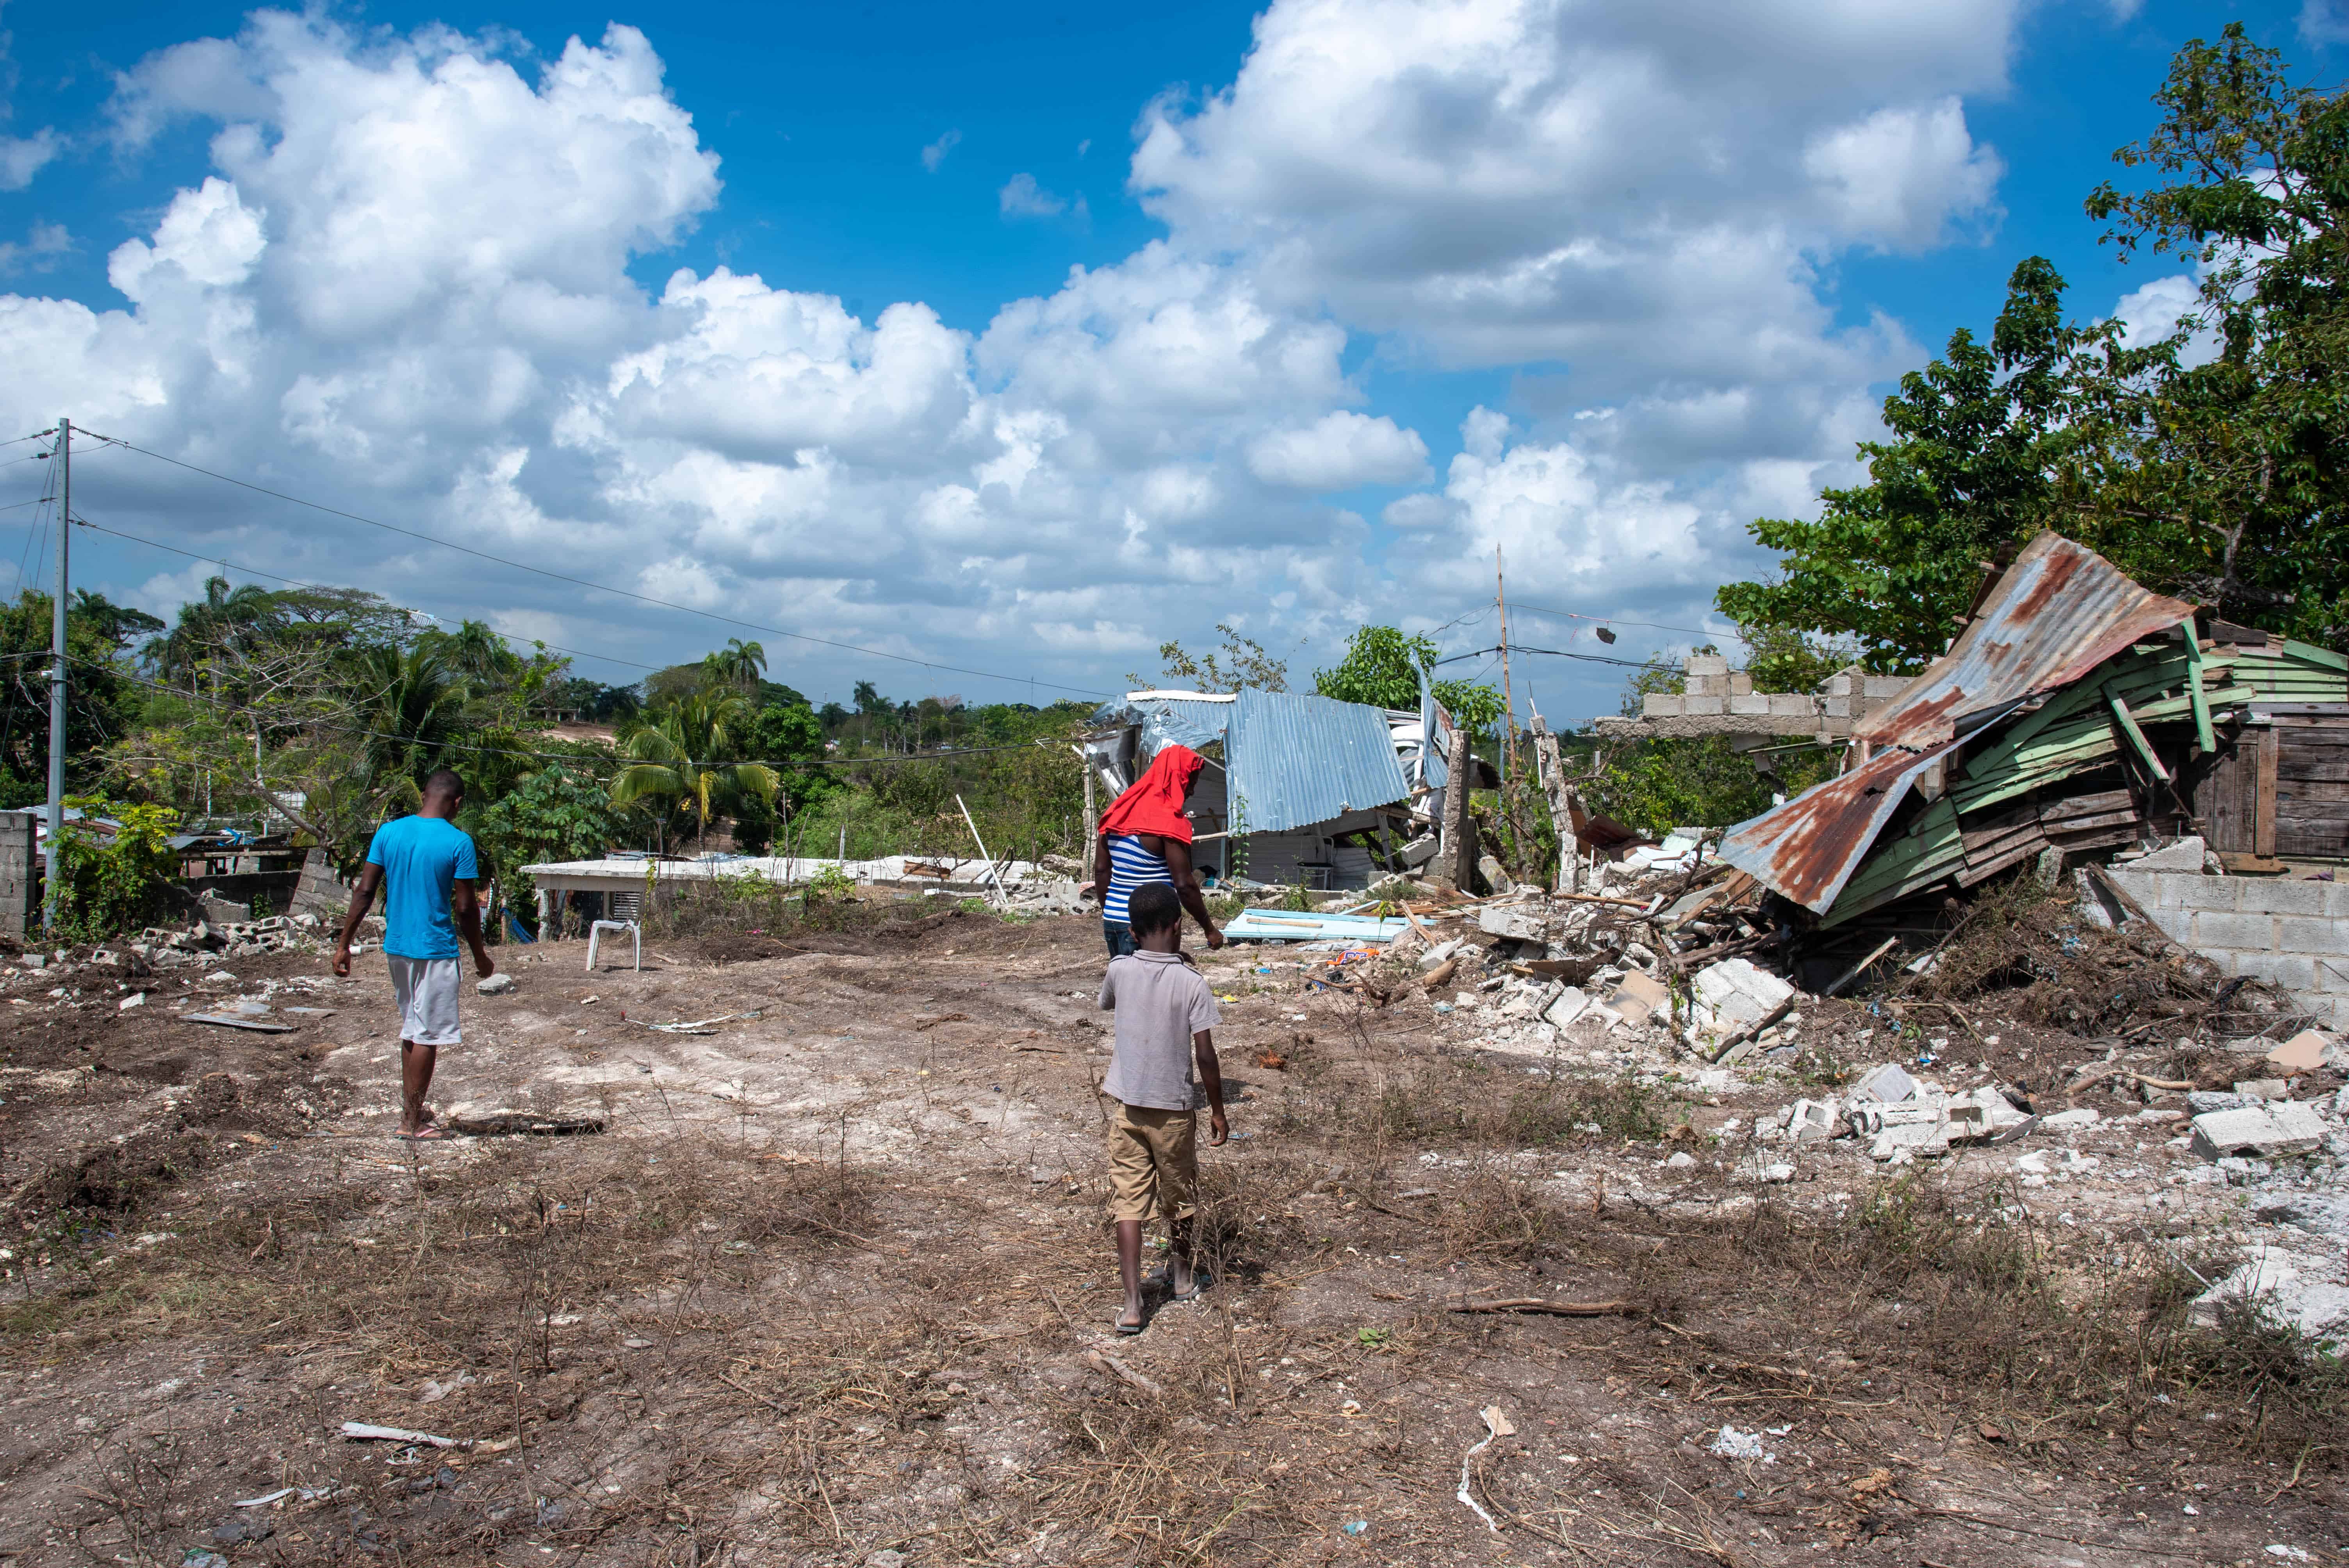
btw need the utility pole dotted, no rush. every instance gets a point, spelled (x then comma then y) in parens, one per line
(57, 679)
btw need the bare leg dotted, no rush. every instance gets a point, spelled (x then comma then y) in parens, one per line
(1129, 1267)
(1179, 1273)
(416, 1062)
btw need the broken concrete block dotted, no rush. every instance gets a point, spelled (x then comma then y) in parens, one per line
(1888, 1084)
(2304, 1052)
(2275, 1283)
(2070, 1120)
(1981, 1116)
(1570, 1005)
(1869, 1117)
(1518, 922)
(1810, 1118)
(2287, 1126)
(2201, 1100)
(1921, 1137)
(2256, 1089)
(2184, 855)
(1436, 957)
(1496, 876)
(496, 986)
(1739, 994)
(1638, 996)
(1417, 852)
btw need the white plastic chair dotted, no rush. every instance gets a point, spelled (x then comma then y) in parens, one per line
(595, 934)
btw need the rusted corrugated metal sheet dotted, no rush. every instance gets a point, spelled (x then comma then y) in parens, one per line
(1808, 849)
(2059, 611)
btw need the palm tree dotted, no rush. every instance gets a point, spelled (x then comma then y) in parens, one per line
(738, 663)
(675, 757)
(222, 616)
(411, 705)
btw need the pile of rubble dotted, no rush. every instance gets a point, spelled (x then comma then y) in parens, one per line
(203, 940)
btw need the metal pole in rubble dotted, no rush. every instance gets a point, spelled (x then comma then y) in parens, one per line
(57, 679)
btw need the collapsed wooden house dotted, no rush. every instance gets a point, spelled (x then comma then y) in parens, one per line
(2077, 712)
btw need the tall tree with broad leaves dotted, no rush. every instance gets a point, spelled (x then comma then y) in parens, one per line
(1978, 438)
(2228, 480)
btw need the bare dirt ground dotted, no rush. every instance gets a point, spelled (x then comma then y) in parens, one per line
(833, 1284)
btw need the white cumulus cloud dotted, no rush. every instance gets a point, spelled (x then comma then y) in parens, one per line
(1339, 452)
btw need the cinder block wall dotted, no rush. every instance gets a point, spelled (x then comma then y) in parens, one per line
(20, 873)
(2293, 934)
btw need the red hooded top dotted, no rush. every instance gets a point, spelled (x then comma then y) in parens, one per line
(1155, 802)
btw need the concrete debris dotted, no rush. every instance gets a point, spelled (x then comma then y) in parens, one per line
(2284, 1287)
(495, 985)
(1888, 1084)
(1734, 995)
(2307, 1051)
(1637, 997)
(2262, 1131)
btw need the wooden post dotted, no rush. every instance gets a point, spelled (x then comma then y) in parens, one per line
(1092, 819)
(2263, 814)
(1456, 851)
(1565, 808)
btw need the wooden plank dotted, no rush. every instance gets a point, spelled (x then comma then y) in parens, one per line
(2295, 797)
(2226, 796)
(2128, 722)
(2016, 856)
(2309, 654)
(2095, 805)
(2096, 838)
(2244, 865)
(2125, 815)
(2264, 809)
(2313, 840)
(2204, 736)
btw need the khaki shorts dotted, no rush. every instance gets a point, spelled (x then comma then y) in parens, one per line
(1153, 1163)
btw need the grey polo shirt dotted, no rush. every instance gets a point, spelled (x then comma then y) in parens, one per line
(1161, 1002)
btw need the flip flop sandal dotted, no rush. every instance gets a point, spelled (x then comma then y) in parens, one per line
(1123, 1326)
(1200, 1280)
(426, 1134)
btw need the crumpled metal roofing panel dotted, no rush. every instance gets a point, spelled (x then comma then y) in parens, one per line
(1296, 760)
(2059, 611)
(1169, 719)
(1808, 848)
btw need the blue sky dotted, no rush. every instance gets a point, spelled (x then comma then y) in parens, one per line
(1359, 302)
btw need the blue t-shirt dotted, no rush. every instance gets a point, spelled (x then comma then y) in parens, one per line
(421, 857)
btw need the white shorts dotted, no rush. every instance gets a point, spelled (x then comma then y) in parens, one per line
(425, 990)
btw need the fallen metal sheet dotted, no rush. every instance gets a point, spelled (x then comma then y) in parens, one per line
(223, 1020)
(2059, 611)
(1808, 848)
(1257, 925)
(697, 1027)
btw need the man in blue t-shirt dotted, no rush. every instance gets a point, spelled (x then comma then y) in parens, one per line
(423, 863)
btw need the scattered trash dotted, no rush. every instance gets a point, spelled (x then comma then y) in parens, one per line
(367, 1432)
(1497, 1425)
(1732, 1444)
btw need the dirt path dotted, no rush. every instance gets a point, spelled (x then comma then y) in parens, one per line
(832, 1284)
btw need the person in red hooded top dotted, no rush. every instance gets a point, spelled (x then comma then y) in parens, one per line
(1145, 839)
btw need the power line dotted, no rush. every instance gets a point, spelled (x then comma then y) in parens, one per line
(1619, 621)
(598, 587)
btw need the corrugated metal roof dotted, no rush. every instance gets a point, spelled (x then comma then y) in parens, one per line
(2059, 611)
(1296, 760)
(1808, 849)
(1170, 718)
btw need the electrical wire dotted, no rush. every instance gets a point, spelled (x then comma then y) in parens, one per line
(598, 587)
(1619, 621)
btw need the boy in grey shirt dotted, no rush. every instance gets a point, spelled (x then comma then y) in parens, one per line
(1165, 1021)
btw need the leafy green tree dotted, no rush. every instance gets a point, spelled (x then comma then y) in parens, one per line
(1240, 661)
(100, 705)
(1382, 667)
(1978, 438)
(410, 706)
(2226, 479)
(687, 754)
(110, 883)
(556, 813)
(225, 616)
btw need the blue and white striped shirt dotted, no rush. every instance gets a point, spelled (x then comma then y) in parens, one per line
(1130, 866)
